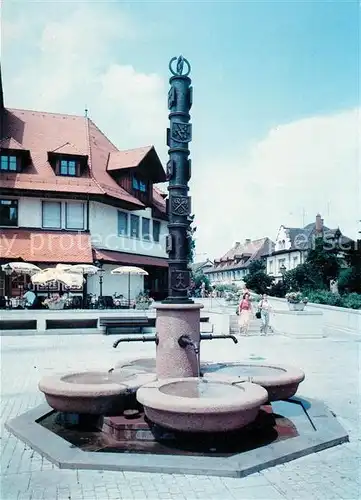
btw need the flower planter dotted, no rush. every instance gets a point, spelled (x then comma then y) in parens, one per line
(56, 305)
(142, 307)
(299, 306)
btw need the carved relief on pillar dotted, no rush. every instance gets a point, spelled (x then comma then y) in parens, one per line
(169, 243)
(172, 97)
(170, 169)
(190, 97)
(189, 169)
(180, 280)
(180, 205)
(181, 132)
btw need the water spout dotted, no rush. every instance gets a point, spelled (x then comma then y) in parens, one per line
(185, 341)
(210, 336)
(137, 338)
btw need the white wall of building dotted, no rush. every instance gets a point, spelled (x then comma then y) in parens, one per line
(282, 240)
(30, 214)
(227, 277)
(115, 283)
(104, 232)
(103, 220)
(289, 259)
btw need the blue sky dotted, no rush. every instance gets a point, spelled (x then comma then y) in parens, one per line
(276, 97)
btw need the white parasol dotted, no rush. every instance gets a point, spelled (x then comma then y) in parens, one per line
(86, 269)
(129, 270)
(57, 274)
(21, 268)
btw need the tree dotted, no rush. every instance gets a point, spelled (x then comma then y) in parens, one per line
(350, 279)
(257, 279)
(190, 240)
(304, 276)
(278, 289)
(198, 278)
(324, 263)
(257, 265)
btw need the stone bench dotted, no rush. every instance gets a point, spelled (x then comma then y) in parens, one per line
(111, 324)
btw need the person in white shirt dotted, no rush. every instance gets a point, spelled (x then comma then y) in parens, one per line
(265, 308)
(29, 297)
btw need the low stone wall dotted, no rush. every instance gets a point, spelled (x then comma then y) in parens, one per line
(298, 324)
(219, 313)
(81, 321)
(335, 319)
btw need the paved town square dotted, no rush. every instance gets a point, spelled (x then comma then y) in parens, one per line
(332, 367)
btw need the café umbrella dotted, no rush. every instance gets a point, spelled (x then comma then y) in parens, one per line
(20, 268)
(57, 274)
(129, 270)
(85, 270)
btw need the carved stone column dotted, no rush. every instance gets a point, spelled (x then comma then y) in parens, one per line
(179, 134)
(178, 315)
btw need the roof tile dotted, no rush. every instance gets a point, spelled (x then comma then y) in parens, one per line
(42, 132)
(45, 246)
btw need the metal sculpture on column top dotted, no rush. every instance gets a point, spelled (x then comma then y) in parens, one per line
(179, 134)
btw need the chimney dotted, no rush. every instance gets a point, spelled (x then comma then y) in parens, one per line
(247, 241)
(319, 224)
(237, 243)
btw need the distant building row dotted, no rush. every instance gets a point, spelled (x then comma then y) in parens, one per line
(290, 249)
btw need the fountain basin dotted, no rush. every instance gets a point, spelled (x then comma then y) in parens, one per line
(93, 392)
(196, 405)
(280, 381)
(141, 364)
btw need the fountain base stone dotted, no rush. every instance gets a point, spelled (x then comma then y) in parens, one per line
(283, 431)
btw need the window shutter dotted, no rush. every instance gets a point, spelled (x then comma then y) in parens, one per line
(75, 216)
(52, 214)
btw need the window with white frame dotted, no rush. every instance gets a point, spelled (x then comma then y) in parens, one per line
(74, 215)
(134, 226)
(51, 214)
(271, 266)
(156, 231)
(123, 225)
(281, 263)
(295, 261)
(145, 228)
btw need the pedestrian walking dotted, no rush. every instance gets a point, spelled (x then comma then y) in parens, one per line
(265, 309)
(245, 314)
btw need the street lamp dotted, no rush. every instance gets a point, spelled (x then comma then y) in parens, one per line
(283, 270)
(99, 265)
(8, 270)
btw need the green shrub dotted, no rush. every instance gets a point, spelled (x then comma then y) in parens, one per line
(352, 300)
(324, 297)
(349, 300)
(278, 289)
(227, 288)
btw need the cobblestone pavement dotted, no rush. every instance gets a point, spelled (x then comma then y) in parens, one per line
(332, 369)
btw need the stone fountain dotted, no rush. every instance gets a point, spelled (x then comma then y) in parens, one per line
(173, 403)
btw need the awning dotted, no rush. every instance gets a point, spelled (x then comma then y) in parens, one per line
(110, 257)
(45, 246)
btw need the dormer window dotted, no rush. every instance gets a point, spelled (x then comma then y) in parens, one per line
(68, 167)
(66, 162)
(139, 185)
(135, 183)
(8, 163)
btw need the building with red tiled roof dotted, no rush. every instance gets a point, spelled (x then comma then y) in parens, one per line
(233, 266)
(69, 195)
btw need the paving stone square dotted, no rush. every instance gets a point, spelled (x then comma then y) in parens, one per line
(332, 367)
